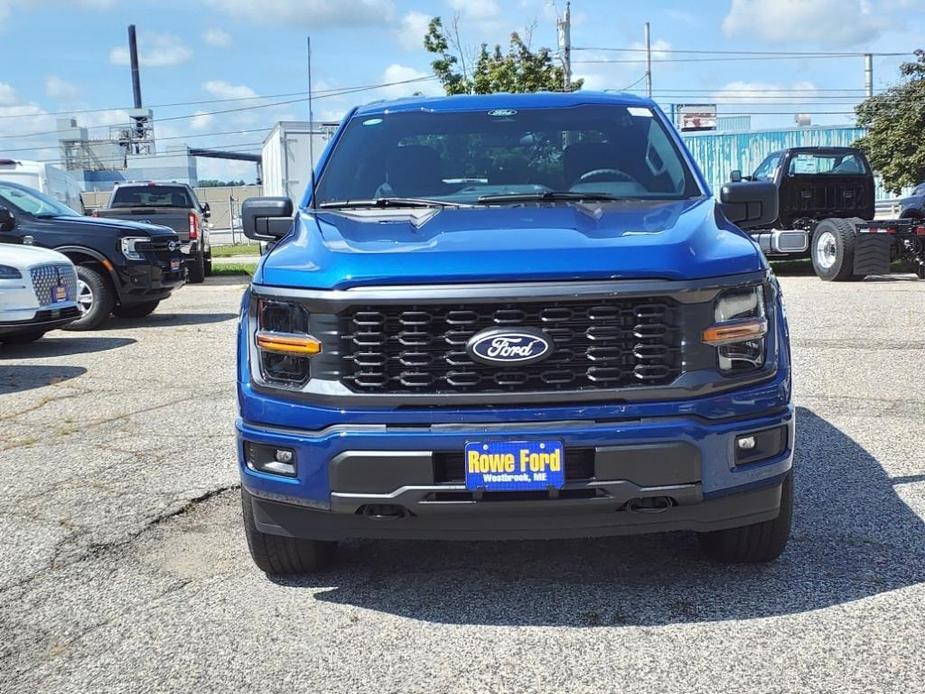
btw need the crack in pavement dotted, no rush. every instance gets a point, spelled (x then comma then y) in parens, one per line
(95, 550)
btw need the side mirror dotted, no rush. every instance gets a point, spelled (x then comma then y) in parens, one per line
(749, 204)
(266, 219)
(7, 220)
(735, 176)
(206, 211)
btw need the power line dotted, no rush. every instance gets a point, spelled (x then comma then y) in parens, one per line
(637, 61)
(839, 54)
(340, 92)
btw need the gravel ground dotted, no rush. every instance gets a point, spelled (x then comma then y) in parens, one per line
(123, 566)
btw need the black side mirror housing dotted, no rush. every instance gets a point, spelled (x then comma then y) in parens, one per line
(749, 205)
(266, 219)
(7, 220)
(735, 176)
(206, 211)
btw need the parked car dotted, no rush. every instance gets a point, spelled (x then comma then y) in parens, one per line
(124, 268)
(174, 205)
(45, 178)
(38, 293)
(512, 316)
(913, 207)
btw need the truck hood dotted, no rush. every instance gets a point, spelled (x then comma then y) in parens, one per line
(677, 240)
(117, 227)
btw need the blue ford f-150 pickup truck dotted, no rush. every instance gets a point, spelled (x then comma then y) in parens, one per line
(507, 317)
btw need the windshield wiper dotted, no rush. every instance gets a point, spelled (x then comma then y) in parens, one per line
(389, 202)
(546, 196)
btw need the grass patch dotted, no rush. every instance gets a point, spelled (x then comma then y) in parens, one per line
(237, 249)
(234, 269)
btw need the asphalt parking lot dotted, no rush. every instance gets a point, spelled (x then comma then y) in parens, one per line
(123, 566)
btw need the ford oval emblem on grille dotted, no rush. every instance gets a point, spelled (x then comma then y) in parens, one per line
(171, 245)
(509, 346)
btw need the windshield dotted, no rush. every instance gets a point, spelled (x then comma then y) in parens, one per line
(151, 196)
(815, 163)
(33, 202)
(611, 151)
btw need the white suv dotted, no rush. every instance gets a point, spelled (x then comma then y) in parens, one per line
(38, 292)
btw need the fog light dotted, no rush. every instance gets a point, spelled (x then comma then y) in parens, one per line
(761, 445)
(271, 459)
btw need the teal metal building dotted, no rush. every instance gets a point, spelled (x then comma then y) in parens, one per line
(718, 153)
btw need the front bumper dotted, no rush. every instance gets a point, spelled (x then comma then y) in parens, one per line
(149, 282)
(44, 319)
(668, 473)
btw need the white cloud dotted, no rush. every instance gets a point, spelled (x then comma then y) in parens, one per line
(403, 73)
(201, 120)
(57, 88)
(315, 14)
(216, 37)
(829, 22)
(154, 50)
(478, 10)
(8, 95)
(221, 89)
(412, 29)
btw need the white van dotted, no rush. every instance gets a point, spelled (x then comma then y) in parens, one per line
(45, 178)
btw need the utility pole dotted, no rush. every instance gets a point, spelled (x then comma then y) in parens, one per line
(564, 27)
(869, 74)
(648, 62)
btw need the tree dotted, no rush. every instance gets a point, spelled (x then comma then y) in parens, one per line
(895, 119)
(520, 69)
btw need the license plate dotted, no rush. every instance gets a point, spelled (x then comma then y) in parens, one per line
(174, 265)
(58, 294)
(514, 465)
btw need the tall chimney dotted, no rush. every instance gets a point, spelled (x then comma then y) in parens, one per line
(133, 52)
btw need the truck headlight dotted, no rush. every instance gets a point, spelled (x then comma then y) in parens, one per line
(8, 272)
(740, 330)
(129, 249)
(283, 342)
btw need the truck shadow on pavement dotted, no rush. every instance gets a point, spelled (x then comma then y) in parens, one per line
(853, 537)
(157, 320)
(18, 378)
(62, 347)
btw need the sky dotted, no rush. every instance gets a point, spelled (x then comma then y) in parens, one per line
(66, 56)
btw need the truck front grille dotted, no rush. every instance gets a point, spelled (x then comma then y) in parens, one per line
(46, 277)
(598, 344)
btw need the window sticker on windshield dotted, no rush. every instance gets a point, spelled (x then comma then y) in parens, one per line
(372, 121)
(639, 111)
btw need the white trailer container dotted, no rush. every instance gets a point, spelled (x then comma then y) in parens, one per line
(289, 153)
(45, 178)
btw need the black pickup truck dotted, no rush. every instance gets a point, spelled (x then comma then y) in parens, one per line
(825, 207)
(124, 268)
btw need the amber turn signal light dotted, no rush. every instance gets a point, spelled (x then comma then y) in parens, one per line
(735, 331)
(285, 343)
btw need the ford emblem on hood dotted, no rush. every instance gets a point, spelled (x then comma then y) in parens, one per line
(509, 346)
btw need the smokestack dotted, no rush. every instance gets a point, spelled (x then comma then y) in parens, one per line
(133, 52)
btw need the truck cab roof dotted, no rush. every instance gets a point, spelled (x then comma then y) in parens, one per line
(477, 102)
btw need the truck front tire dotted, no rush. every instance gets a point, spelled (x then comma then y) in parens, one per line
(95, 297)
(283, 556)
(756, 543)
(832, 250)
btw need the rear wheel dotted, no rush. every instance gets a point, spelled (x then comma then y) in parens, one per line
(283, 556)
(95, 299)
(135, 310)
(833, 250)
(22, 338)
(197, 270)
(756, 543)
